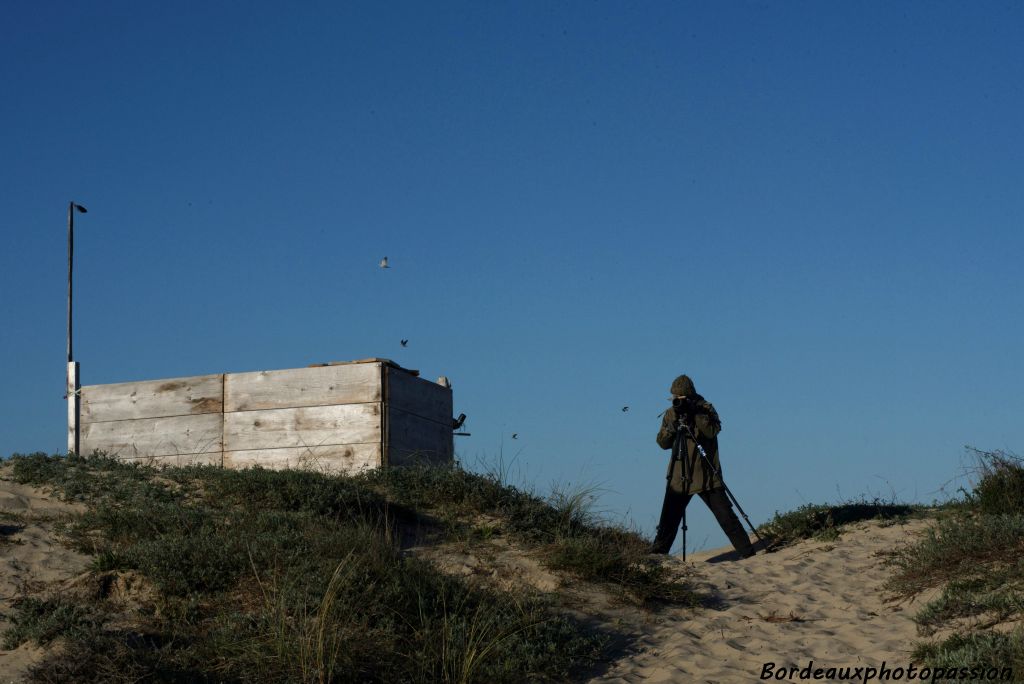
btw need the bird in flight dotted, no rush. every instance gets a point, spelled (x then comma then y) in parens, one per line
(405, 343)
(625, 408)
(515, 435)
(384, 263)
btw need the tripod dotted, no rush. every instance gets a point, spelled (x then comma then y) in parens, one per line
(679, 451)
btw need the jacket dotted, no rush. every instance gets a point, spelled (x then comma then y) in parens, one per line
(705, 426)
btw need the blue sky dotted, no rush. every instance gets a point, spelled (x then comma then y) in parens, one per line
(814, 209)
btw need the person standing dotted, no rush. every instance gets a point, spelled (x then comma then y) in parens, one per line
(689, 474)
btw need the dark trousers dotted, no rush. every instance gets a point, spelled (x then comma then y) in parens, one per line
(672, 514)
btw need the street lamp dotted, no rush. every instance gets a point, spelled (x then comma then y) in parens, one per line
(72, 384)
(72, 208)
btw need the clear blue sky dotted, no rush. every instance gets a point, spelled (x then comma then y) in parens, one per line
(814, 209)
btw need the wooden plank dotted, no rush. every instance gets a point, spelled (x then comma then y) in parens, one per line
(412, 439)
(73, 394)
(149, 437)
(375, 359)
(336, 458)
(310, 426)
(419, 397)
(372, 359)
(319, 386)
(214, 458)
(153, 399)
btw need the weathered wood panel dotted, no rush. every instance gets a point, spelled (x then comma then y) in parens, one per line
(343, 458)
(152, 399)
(319, 386)
(419, 397)
(310, 426)
(412, 439)
(212, 458)
(325, 418)
(174, 436)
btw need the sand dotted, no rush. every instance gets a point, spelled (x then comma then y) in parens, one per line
(814, 601)
(32, 560)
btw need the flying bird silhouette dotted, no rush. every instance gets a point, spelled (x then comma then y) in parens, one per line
(515, 435)
(405, 343)
(384, 263)
(625, 408)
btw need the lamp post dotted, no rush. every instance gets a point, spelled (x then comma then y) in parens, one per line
(72, 380)
(72, 208)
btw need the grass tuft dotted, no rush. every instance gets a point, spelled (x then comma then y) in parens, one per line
(42, 621)
(988, 655)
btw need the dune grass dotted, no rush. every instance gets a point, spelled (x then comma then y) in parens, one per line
(974, 552)
(825, 521)
(562, 527)
(989, 655)
(10, 524)
(43, 620)
(977, 557)
(295, 576)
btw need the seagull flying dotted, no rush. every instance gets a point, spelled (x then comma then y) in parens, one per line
(405, 343)
(384, 263)
(625, 408)
(515, 435)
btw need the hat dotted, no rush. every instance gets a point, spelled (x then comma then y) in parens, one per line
(682, 387)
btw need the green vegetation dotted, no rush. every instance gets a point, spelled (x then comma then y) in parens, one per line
(1000, 489)
(562, 528)
(977, 557)
(10, 524)
(825, 521)
(44, 620)
(982, 650)
(974, 552)
(295, 576)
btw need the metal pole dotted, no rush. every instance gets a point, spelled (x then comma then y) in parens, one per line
(73, 385)
(71, 252)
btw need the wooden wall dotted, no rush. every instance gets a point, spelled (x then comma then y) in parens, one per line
(326, 418)
(175, 421)
(336, 418)
(419, 420)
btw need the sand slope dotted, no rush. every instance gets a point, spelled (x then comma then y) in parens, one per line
(31, 559)
(813, 601)
(820, 601)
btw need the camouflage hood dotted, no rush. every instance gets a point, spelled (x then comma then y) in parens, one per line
(683, 386)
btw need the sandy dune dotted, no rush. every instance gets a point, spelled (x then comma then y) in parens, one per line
(814, 601)
(31, 558)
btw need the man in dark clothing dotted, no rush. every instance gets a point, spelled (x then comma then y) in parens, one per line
(689, 473)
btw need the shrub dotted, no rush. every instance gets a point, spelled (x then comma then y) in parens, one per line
(825, 520)
(1000, 491)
